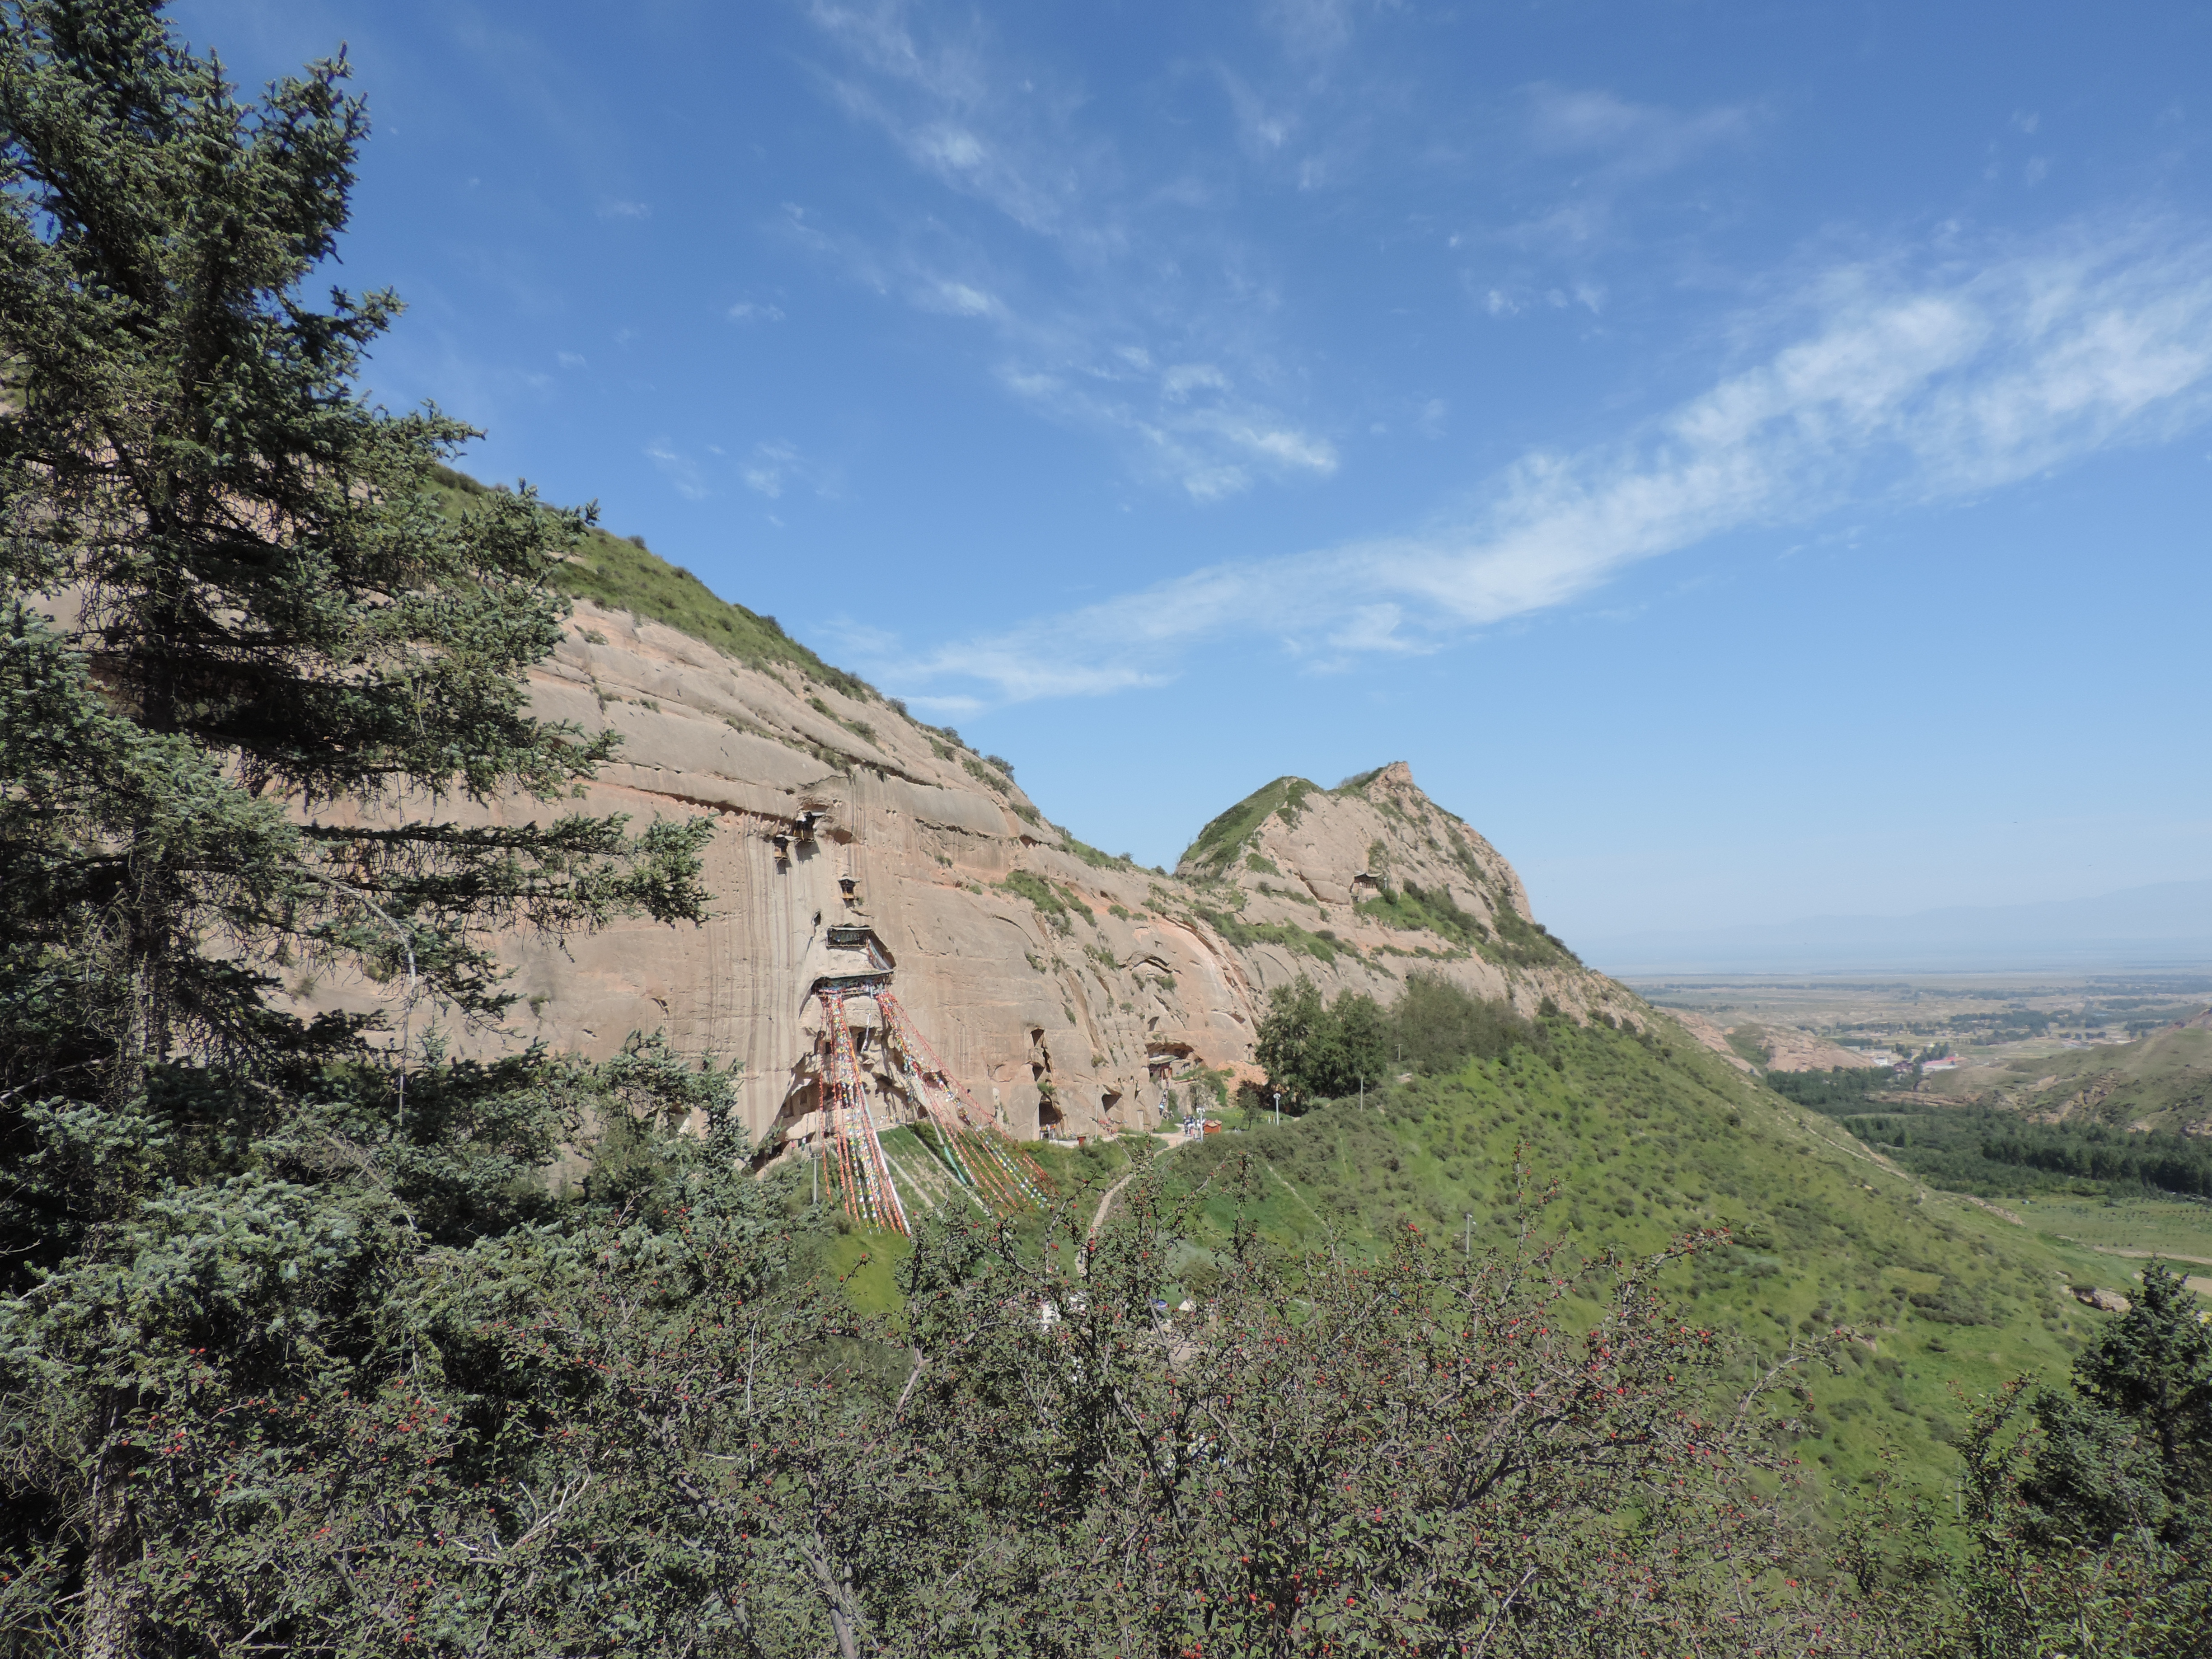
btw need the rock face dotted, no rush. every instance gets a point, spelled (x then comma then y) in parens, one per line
(1065, 988)
(2104, 1301)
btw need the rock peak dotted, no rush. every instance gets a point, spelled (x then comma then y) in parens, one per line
(1067, 989)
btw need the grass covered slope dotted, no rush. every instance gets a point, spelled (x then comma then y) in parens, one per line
(1218, 843)
(2162, 1082)
(624, 575)
(1645, 1145)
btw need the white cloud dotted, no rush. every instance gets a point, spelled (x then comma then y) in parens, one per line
(1892, 394)
(959, 299)
(1607, 152)
(772, 468)
(1631, 140)
(1153, 329)
(1179, 381)
(950, 146)
(755, 311)
(625, 211)
(679, 469)
(1310, 28)
(570, 359)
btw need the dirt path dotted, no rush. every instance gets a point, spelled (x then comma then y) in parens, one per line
(1106, 1202)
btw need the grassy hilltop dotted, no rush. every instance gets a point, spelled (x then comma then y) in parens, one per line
(623, 574)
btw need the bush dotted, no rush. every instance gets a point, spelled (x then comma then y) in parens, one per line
(1315, 1052)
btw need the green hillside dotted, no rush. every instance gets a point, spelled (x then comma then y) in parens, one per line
(1641, 1142)
(625, 575)
(1644, 1143)
(2162, 1082)
(1220, 841)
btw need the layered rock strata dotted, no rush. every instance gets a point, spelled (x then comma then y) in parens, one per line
(1066, 988)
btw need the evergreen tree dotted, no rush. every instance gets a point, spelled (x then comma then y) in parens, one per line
(258, 691)
(2152, 1367)
(2129, 1452)
(319, 664)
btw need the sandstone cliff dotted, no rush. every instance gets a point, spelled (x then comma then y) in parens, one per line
(1064, 987)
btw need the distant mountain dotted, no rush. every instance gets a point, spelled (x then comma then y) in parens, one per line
(2165, 925)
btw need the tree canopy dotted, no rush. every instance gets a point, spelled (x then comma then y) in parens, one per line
(1314, 1050)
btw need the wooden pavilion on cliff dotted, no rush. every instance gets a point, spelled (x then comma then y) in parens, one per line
(958, 1133)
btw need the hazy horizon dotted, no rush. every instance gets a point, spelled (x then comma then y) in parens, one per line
(2165, 927)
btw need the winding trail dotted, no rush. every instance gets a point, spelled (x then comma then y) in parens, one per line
(1106, 1203)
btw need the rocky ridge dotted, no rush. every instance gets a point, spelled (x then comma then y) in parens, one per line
(1065, 987)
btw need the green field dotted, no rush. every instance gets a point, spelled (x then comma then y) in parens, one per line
(2168, 1227)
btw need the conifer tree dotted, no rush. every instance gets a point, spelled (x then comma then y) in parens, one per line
(251, 561)
(2154, 1367)
(258, 691)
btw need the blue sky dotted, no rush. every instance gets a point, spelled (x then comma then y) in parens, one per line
(1751, 459)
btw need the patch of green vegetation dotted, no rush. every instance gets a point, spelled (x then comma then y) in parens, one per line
(624, 575)
(2179, 1229)
(1999, 1154)
(1058, 906)
(1215, 1081)
(1264, 867)
(1242, 934)
(1643, 1146)
(987, 776)
(1092, 856)
(1218, 842)
(859, 729)
(1296, 896)
(1415, 910)
(1524, 943)
(1750, 1042)
(2165, 1080)
(1422, 953)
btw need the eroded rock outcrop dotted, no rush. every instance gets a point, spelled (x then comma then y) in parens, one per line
(1064, 987)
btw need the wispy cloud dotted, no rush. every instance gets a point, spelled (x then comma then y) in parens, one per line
(1892, 391)
(1145, 326)
(1607, 152)
(773, 467)
(755, 311)
(682, 473)
(1629, 140)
